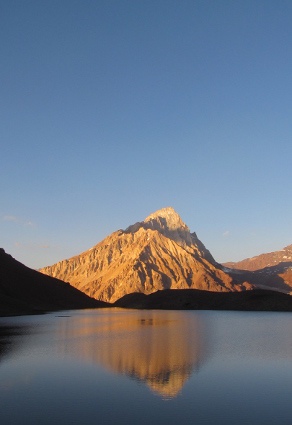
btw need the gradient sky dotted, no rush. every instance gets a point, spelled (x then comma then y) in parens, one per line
(113, 109)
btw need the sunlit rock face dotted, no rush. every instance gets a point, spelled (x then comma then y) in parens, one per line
(155, 254)
(160, 349)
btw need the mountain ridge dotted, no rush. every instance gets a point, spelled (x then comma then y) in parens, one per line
(272, 269)
(260, 261)
(193, 299)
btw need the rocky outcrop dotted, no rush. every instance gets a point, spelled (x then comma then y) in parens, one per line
(155, 254)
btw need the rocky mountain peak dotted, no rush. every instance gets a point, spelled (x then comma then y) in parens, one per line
(167, 218)
(167, 222)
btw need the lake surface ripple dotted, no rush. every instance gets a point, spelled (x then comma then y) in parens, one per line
(114, 366)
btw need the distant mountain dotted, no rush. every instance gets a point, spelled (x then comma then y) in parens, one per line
(261, 261)
(25, 291)
(155, 254)
(272, 270)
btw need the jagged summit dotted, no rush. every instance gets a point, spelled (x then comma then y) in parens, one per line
(167, 218)
(167, 222)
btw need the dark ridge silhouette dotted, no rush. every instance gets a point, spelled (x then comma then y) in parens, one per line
(193, 299)
(26, 291)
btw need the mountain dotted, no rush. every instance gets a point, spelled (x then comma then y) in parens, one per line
(273, 269)
(155, 254)
(25, 291)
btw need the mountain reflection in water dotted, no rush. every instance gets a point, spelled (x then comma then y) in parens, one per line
(161, 349)
(73, 367)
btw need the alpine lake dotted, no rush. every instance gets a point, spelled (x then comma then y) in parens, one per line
(118, 366)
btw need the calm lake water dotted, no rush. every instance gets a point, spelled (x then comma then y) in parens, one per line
(146, 367)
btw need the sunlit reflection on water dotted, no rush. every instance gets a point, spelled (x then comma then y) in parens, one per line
(161, 349)
(120, 366)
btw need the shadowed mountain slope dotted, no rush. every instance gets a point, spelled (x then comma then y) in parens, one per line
(155, 254)
(25, 291)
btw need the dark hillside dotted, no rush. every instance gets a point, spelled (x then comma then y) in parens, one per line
(193, 299)
(25, 291)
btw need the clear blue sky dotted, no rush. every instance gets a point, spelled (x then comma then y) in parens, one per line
(113, 109)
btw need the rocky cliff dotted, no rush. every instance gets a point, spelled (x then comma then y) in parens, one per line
(155, 254)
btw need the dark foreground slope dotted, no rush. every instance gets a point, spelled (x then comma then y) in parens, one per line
(25, 291)
(193, 299)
